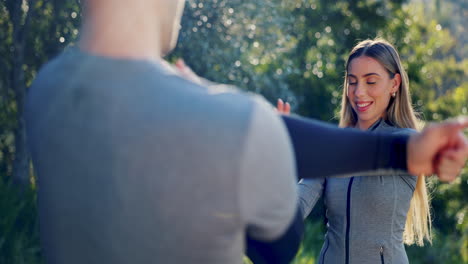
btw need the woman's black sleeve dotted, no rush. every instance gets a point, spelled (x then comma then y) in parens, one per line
(323, 150)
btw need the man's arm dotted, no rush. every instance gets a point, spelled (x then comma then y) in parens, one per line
(323, 150)
(280, 250)
(346, 151)
(268, 190)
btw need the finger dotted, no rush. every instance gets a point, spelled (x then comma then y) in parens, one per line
(280, 105)
(446, 177)
(186, 71)
(450, 154)
(457, 158)
(462, 143)
(458, 143)
(180, 64)
(450, 165)
(463, 120)
(455, 125)
(446, 172)
(183, 68)
(447, 134)
(287, 108)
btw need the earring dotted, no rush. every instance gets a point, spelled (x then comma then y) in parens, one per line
(394, 94)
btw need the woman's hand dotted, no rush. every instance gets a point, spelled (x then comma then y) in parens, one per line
(283, 108)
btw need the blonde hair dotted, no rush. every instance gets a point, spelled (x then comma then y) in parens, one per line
(400, 113)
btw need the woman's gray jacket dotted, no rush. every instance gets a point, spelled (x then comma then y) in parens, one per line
(366, 215)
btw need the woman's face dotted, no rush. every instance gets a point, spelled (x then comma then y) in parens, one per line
(369, 89)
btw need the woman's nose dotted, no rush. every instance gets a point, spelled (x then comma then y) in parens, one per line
(359, 90)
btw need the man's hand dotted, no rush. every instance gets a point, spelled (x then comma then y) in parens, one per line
(440, 149)
(186, 72)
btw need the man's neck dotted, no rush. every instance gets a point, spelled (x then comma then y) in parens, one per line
(130, 34)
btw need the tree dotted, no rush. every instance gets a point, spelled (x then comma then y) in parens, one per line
(33, 31)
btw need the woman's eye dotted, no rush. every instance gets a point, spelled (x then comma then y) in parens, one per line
(352, 83)
(371, 82)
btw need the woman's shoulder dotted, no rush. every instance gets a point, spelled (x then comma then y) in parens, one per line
(404, 131)
(389, 127)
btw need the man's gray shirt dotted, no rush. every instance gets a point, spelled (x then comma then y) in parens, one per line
(137, 165)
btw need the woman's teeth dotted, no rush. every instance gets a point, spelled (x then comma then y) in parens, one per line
(364, 104)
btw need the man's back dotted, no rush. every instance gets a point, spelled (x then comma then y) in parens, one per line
(138, 165)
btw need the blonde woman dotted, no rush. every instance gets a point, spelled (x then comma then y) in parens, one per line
(370, 218)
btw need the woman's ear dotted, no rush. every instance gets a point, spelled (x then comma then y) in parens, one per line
(396, 83)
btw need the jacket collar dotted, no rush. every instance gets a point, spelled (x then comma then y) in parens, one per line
(380, 125)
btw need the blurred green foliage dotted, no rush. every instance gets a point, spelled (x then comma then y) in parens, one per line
(19, 236)
(293, 49)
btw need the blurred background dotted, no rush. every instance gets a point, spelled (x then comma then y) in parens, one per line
(293, 49)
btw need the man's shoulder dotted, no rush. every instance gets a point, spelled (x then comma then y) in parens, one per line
(224, 99)
(146, 85)
(51, 67)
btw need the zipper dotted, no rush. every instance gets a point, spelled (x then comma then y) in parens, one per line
(325, 252)
(348, 218)
(381, 255)
(406, 181)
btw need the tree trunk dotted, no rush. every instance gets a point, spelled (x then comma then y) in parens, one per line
(20, 28)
